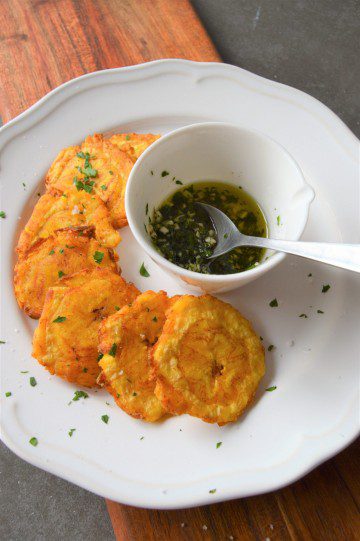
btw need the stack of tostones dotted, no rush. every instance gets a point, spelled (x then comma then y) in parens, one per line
(126, 339)
(156, 355)
(54, 211)
(66, 340)
(208, 361)
(52, 259)
(101, 167)
(194, 355)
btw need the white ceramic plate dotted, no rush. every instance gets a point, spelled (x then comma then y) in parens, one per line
(311, 415)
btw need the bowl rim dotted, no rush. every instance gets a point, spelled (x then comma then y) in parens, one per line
(265, 265)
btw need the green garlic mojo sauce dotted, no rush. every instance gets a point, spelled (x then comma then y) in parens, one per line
(184, 235)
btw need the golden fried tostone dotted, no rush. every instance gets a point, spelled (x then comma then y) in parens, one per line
(49, 260)
(66, 340)
(133, 144)
(54, 211)
(126, 339)
(98, 167)
(208, 360)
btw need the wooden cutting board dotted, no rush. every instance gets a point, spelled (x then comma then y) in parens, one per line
(44, 43)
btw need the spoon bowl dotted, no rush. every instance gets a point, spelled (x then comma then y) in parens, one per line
(345, 256)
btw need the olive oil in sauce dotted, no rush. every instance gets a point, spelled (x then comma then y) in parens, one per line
(183, 232)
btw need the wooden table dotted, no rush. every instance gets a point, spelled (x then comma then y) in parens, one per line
(44, 43)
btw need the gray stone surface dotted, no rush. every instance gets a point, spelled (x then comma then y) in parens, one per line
(37, 506)
(312, 45)
(308, 44)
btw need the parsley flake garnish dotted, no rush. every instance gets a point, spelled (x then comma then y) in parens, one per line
(127, 137)
(179, 182)
(51, 252)
(320, 312)
(24, 372)
(325, 288)
(71, 432)
(61, 274)
(61, 250)
(111, 172)
(219, 444)
(2, 214)
(151, 172)
(270, 389)
(89, 171)
(225, 235)
(303, 315)
(59, 319)
(113, 349)
(309, 275)
(7, 394)
(117, 308)
(146, 208)
(98, 257)
(212, 491)
(79, 394)
(2, 342)
(143, 271)
(100, 356)
(271, 347)
(103, 187)
(33, 441)
(134, 393)
(142, 437)
(155, 319)
(278, 220)
(164, 173)
(274, 303)
(33, 381)
(105, 419)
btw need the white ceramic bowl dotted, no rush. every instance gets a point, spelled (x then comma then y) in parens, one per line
(222, 152)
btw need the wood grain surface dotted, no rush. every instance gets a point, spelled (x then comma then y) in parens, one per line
(44, 43)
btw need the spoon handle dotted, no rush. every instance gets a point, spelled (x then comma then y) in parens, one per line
(346, 256)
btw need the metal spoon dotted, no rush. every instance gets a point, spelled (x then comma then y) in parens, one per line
(346, 256)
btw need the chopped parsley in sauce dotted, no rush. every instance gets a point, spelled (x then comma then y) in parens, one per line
(183, 233)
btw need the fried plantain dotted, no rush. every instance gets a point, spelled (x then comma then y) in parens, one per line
(96, 166)
(66, 340)
(54, 211)
(126, 338)
(208, 360)
(49, 260)
(133, 144)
